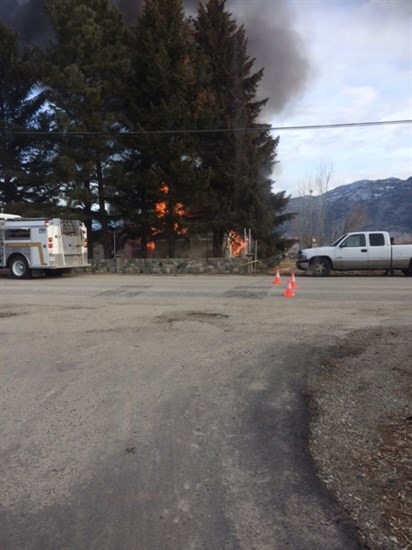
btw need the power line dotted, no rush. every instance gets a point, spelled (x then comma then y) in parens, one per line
(342, 125)
(263, 128)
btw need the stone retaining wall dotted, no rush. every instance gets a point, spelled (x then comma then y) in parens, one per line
(172, 266)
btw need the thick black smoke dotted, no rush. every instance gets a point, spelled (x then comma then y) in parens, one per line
(28, 18)
(269, 26)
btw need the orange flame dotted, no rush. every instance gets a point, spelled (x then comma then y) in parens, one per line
(162, 208)
(237, 245)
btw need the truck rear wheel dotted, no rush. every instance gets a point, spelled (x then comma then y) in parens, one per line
(19, 268)
(408, 272)
(320, 267)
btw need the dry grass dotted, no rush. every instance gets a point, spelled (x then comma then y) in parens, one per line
(286, 267)
(361, 432)
(390, 470)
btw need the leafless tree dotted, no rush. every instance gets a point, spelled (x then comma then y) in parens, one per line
(311, 216)
(356, 218)
(322, 182)
(304, 215)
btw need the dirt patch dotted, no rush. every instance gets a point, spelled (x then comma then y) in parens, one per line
(361, 432)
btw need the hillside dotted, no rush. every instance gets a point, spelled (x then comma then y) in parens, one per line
(362, 205)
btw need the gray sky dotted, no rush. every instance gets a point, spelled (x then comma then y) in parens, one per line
(361, 54)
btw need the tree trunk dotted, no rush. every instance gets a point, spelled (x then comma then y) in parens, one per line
(102, 210)
(143, 246)
(218, 235)
(88, 223)
(172, 244)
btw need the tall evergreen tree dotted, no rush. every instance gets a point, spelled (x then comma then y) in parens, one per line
(86, 69)
(24, 185)
(241, 158)
(160, 167)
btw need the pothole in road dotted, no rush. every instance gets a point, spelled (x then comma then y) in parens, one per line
(201, 316)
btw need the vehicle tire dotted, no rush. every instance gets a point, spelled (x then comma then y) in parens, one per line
(19, 268)
(53, 272)
(320, 267)
(408, 272)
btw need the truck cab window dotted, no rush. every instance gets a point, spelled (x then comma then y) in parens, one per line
(376, 239)
(354, 241)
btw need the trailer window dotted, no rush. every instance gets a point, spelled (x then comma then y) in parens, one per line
(17, 234)
(376, 239)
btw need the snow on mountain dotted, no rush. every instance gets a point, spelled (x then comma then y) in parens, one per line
(384, 204)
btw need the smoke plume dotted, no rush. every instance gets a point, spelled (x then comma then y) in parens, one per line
(272, 39)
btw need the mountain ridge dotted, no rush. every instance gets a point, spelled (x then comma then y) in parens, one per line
(384, 204)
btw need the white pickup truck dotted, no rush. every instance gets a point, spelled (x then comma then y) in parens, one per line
(362, 250)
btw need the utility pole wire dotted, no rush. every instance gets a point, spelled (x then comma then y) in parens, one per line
(258, 128)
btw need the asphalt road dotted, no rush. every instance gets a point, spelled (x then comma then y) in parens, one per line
(169, 412)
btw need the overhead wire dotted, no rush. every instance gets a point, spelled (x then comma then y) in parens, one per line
(257, 128)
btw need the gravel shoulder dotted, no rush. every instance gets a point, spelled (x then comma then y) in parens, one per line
(361, 431)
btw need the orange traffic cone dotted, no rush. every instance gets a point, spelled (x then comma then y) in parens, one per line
(293, 281)
(288, 292)
(276, 280)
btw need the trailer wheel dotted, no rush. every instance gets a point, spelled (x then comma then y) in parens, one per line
(19, 267)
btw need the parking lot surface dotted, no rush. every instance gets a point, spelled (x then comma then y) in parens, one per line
(169, 412)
